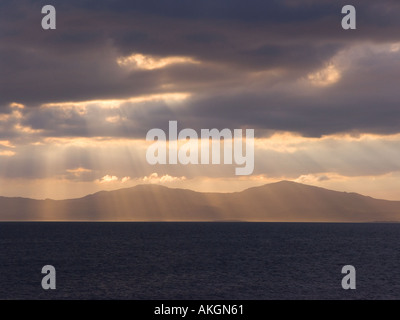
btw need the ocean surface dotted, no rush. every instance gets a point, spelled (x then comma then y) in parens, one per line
(174, 261)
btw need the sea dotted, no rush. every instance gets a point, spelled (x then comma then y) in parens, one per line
(199, 260)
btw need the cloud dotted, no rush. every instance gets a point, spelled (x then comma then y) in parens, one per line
(333, 99)
(154, 178)
(113, 179)
(283, 155)
(6, 143)
(227, 56)
(148, 62)
(312, 179)
(325, 77)
(125, 179)
(107, 179)
(7, 153)
(78, 171)
(76, 174)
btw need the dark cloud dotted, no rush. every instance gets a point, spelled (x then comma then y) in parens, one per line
(235, 41)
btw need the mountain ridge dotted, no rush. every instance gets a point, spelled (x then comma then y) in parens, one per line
(283, 201)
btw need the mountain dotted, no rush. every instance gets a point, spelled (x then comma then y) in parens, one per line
(282, 201)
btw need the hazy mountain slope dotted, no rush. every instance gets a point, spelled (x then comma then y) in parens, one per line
(289, 201)
(282, 201)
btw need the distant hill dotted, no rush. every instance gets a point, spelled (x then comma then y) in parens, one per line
(282, 201)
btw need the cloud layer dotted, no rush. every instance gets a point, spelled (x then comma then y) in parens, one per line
(76, 102)
(257, 64)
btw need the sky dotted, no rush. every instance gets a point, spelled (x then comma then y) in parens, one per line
(76, 102)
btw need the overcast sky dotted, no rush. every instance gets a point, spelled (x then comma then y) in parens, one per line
(76, 102)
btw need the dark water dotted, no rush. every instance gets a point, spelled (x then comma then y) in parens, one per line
(199, 260)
